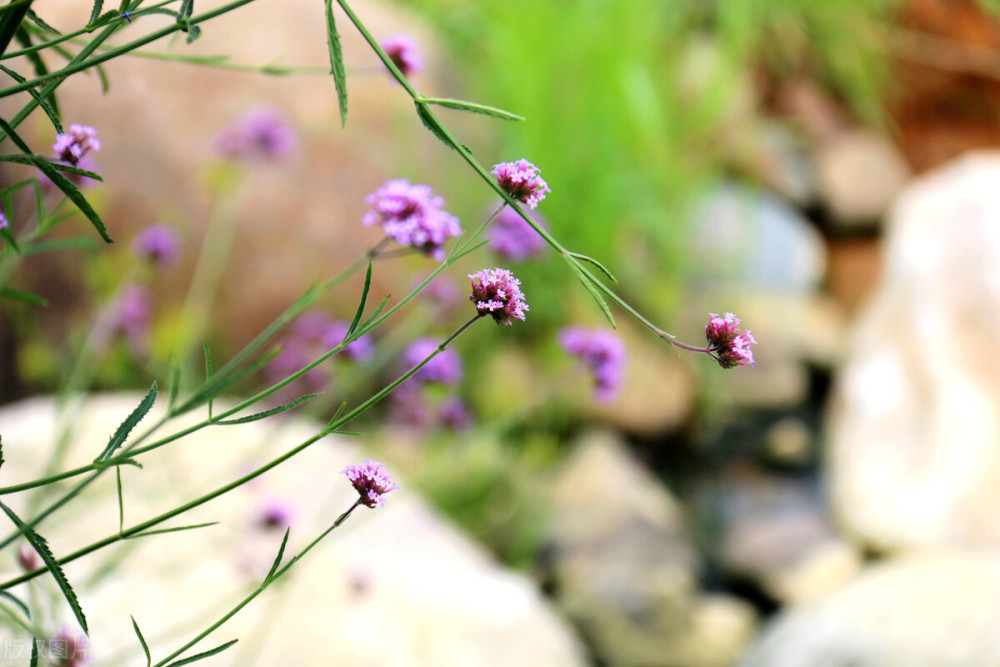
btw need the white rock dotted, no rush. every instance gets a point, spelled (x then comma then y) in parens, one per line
(859, 174)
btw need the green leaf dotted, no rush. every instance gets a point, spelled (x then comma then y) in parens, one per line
(193, 33)
(121, 501)
(8, 236)
(268, 413)
(38, 65)
(208, 375)
(474, 107)
(37, 20)
(42, 547)
(175, 383)
(59, 244)
(336, 62)
(142, 641)
(162, 531)
(94, 13)
(364, 300)
(187, 9)
(202, 656)
(49, 111)
(277, 559)
(119, 436)
(603, 269)
(34, 159)
(22, 296)
(379, 309)
(16, 600)
(432, 124)
(34, 652)
(10, 21)
(330, 424)
(60, 181)
(588, 282)
(223, 382)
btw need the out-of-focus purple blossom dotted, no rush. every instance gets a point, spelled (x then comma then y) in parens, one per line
(513, 239)
(442, 294)
(371, 481)
(311, 326)
(445, 368)
(604, 355)
(131, 314)
(295, 355)
(728, 345)
(455, 414)
(521, 180)
(259, 135)
(276, 513)
(86, 163)
(409, 407)
(359, 350)
(402, 50)
(68, 650)
(412, 215)
(158, 244)
(4, 224)
(497, 292)
(70, 147)
(27, 558)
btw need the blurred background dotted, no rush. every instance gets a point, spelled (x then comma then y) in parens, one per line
(825, 170)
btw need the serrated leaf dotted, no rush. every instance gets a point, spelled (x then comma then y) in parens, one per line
(18, 295)
(37, 20)
(269, 413)
(595, 294)
(474, 107)
(95, 12)
(202, 656)
(16, 600)
(336, 62)
(34, 652)
(193, 33)
(277, 559)
(603, 269)
(10, 21)
(432, 124)
(187, 9)
(119, 436)
(142, 641)
(41, 546)
(364, 300)
(52, 114)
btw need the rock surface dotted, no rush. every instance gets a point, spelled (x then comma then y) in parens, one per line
(914, 428)
(397, 585)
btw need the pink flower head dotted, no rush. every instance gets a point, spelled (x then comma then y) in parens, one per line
(412, 215)
(27, 558)
(4, 224)
(728, 345)
(70, 147)
(157, 244)
(521, 180)
(131, 314)
(402, 50)
(259, 135)
(276, 513)
(604, 354)
(513, 238)
(359, 350)
(444, 368)
(498, 293)
(455, 414)
(371, 482)
(68, 650)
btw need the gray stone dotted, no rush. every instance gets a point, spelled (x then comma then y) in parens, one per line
(914, 427)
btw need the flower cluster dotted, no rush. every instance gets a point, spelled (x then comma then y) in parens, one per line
(157, 244)
(412, 215)
(261, 135)
(513, 238)
(371, 482)
(498, 293)
(521, 181)
(70, 147)
(727, 344)
(402, 50)
(602, 352)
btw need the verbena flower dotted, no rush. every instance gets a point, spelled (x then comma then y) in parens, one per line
(79, 180)
(521, 180)
(604, 354)
(72, 146)
(513, 239)
(728, 345)
(412, 215)
(131, 314)
(276, 513)
(498, 293)
(455, 414)
(359, 350)
(445, 368)
(27, 557)
(4, 223)
(157, 244)
(409, 407)
(371, 482)
(259, 135)
(402, 50)
(68, 650)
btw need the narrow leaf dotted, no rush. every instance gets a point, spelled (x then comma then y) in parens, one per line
(23, 38)
(330, 424)
(16, 600)
(142, 641)
(375, 314)
(603, 269)
(178, 529)
(336, 62)
(202, 656)
(187, 8)
(10, 21)
(208, 374)
(8, 237)
(22, 296)
(95, 12)
(474, 107)
(432, 124)
(175, 383)
(223, 382)
(595, 294)
(119, 436)
(34, 652)
(268, 413)
(121, 502)
(41, 546)
(37, 20)
(49, 111)
(193, 32)
(277, 559)
(364, 300)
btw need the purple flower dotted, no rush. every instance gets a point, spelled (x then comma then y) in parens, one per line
(371, 482)
(498, 293)
(359, 350)
(402, 50)
(131, 314)
(68, 650)
(412, 215)
(275, 514)
(4, 224)
(727, 344)
(602, 352)
(260, 135)
(455, 414)
(445, 368)
(70, 147)
(513, 238)
(86, 162)
(157, 244)
(521, 181)
(27, 558)
(410, 407)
